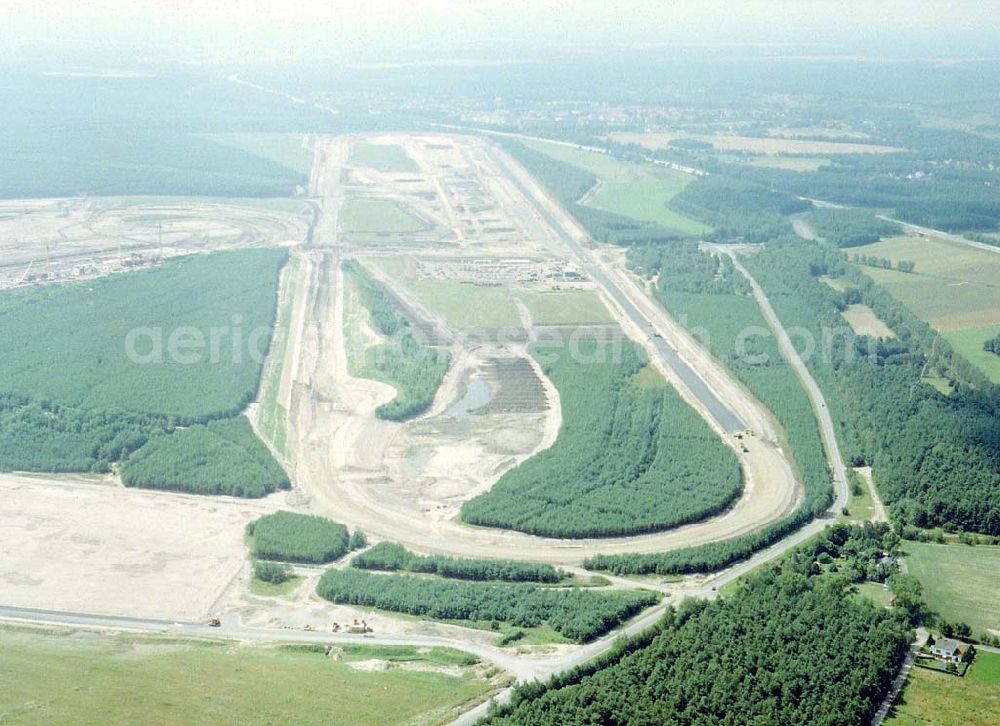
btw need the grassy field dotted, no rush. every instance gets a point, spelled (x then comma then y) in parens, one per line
(285, 149)
(565, 307)
(270, 589)
(945, 700)
(875, 592)
(861, 508)
(463, 305)
(362, 215)
(864, 321)
(639, 191)
(466, 306)
(89, 679)
(960, 582)
(272, 417)
(969, 342)
(383, 157)
(954, 287)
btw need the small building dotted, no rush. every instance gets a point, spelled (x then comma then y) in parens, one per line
(948, 649)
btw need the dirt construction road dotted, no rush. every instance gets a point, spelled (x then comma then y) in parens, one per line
(339, 449)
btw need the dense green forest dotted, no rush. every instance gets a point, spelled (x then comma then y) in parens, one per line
(413, 369)
(790, 646)
(579, 615)
(698, 293)
(291, 537)
(221, 457)
(142, 342)
(935, 458)
(41, 436)
(390, 556)
(108, 391)
(568, 183)
(738, 209)
(628, 459)
(850, 227)
(682, 267)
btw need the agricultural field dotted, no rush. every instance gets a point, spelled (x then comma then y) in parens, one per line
(290, 150)
(941, 699)
(92, 680)
(953, 288)
(382, 157)
(790, 163)
(638, 191)
(371, 216)
(960, 582)
(565, 307)
(627, 459)
(579, 615)
(221, 457)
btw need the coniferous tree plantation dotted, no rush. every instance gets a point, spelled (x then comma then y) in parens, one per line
(391, 557)
(579, 615)
(291, 537)
(790, 646)
(136, 358)
(629, 459)
(106, 343)
(413, 369)
(221, 457)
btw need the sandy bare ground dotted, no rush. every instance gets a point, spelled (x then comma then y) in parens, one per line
(405, 482)
(63, 239)
(87, 544)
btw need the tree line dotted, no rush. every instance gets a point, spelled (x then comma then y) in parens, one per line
(850, 227)
(579, 615)
(390, 556)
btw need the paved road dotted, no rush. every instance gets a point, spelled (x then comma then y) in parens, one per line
(722, 414)
(232, 629)
(827, 431)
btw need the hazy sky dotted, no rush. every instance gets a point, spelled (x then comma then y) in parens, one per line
(336, 27)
